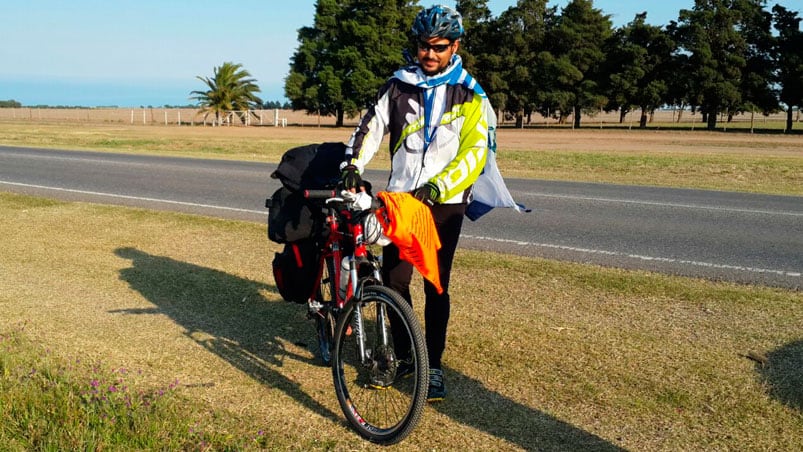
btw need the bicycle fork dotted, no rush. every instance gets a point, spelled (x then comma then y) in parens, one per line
(382, 343)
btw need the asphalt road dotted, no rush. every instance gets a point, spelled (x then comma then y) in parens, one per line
(747, 238)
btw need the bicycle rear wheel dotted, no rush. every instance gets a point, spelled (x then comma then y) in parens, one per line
(378, 399)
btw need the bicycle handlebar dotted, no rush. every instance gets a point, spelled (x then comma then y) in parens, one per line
(319, 194)
(333, 195)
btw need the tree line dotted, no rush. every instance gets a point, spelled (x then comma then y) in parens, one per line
(722, 57)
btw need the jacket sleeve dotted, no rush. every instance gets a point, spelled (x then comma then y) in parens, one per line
(467, 165)
(367, 137)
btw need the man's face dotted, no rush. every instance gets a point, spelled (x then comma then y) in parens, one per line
(435, 53)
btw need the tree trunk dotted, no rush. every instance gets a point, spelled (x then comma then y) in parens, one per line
(789, 120)
(712, 121)
(577, 116)
(339, 121)
(520, 120)
(643, 120)
(622, 113)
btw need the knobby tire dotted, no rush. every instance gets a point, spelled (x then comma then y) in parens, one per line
(384, 413)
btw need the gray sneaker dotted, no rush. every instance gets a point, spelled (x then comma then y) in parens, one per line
(437, 390)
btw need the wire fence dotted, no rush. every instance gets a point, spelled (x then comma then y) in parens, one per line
(282, 118)
(167, 116)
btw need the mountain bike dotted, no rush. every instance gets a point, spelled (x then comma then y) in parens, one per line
(382, 390)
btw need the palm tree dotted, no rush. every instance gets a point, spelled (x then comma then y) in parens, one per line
(230, 90)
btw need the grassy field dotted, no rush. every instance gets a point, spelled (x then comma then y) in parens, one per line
(735, 161)
(542, 355)
(129, 329)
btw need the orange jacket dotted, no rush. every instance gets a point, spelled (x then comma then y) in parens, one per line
(408, 223)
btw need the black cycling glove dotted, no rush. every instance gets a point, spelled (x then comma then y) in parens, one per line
(427, 193)
(350, 178)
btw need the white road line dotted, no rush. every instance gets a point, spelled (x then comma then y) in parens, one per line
(668, 204)
(640, 257)
(134, 198)
(474, 237)
(65, 158)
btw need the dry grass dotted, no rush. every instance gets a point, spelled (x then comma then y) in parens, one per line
(761, 163)
(542, 355)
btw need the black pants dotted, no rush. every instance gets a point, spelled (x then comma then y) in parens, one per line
(397, 275)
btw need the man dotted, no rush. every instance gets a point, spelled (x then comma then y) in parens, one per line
(436, 116)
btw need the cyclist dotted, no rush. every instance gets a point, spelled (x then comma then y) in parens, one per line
(436, 115)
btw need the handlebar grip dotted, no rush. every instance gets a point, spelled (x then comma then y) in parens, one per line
(319, 194)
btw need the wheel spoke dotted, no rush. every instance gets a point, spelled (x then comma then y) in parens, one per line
(381, 405)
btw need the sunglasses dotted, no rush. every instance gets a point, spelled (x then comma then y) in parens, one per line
(437, 48)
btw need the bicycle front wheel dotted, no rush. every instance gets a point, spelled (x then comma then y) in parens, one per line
(381, 390)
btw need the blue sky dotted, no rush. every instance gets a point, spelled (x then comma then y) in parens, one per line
(148, 52)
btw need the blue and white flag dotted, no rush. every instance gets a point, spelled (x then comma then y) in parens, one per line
(490, 190)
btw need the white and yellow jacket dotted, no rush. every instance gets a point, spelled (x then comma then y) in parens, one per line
(438, 129)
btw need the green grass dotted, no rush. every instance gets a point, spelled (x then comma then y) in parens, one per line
(52, 403)
(762, 174)
(541, 354)
(175, 141)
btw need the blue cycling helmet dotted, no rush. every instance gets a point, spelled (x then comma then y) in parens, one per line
(438, 21)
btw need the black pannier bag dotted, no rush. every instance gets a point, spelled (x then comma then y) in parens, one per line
(314, 166)
(297, 222)
(291, 217)
(295, 270)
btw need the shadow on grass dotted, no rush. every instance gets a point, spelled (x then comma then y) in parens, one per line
(783, 375)
(226, 315)
(471, 403)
